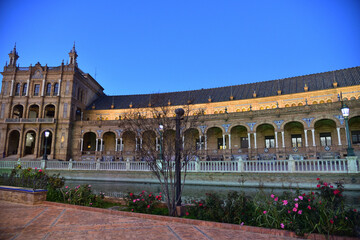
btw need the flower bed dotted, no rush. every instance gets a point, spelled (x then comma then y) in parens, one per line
(22, 195)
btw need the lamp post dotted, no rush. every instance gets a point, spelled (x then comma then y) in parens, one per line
(346, 112)
(179, 113)
(161, 130)
(46, 133)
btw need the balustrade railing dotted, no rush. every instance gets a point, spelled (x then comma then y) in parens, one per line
(348, 165)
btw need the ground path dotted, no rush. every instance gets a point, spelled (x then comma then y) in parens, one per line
(62, 221)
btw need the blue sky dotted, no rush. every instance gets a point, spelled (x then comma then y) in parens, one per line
(155, 46)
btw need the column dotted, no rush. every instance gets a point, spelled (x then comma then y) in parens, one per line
(346, 136)
(12, 87)
(157, 144)
(136, 144)
(313, 137)
(183, 141)
(306, 140)
(101, 144)
(81, 144)
(229, 141)
(205, 142)
(121, 144)
(283, 139)
(141, 143)
(339, 137)
(43, 87)
(97, 145)
(59, 90)
(224, 142)
(249, 141)
(28, 86)
(276, 140)
(116, 144)
(255, 140)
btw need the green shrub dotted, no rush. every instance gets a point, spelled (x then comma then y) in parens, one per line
(143, 202)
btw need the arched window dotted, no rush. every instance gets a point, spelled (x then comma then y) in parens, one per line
(56, 89)
(48, 89)
(24, 90)
(17, 89)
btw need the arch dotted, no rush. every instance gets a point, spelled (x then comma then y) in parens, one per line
(48, 143)
(238, 110)
(149, 141)
(293, 105)
(18, 111)
(17, 89)
(354, 126)
(49, 111)
(294, 134)
(265, 135)
(33, 111)
(215, 138)
(322, 101)
(109, 141)
(239, 137)
(287, 105)
(300, 104)
(48, 89)
(314, 102)
(325, 132)
(13, 143)
(89, 141)
(30, 139)
(169, 143)
(192, 139)
(261, 108)
(129, 141)
(329, 101)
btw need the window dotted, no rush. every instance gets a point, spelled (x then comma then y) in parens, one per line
(269, 141)
(244, 143)
(355, 135)
(296, 140)
(65, 110)
(48, 89)
(325, 139)
(17, 89)
(24, 90)
(36, 89)
(56, 89)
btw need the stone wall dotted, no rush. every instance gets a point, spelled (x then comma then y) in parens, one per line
(22, 195)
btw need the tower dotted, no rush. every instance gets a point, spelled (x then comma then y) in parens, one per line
(13, 56)
(73, 56)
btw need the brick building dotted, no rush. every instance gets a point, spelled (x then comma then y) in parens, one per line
(298, 116)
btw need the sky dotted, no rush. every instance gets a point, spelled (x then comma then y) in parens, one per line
(141, 47)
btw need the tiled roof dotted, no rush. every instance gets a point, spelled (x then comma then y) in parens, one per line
(318, 81)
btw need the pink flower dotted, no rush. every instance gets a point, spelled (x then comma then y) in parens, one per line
(285, 202)
(309, 207)
(318, 179)
(264, 212)
(331, 221)
(282, 225)
(318, 185)
(132, 210)
(66, 186)
(148, 206)
(89, 186)
(134, 200)
(289, 211)
(142, 199)
(325, 184)
(336, 191)
(149, 195)
(40, 170)
(276, 199)
(296, 199)
(187, 214)
(137, 199)
(300, 212)
(296, 205)
(272, 196)
(200, 204)
(242, 224)
(131, 194)
(294, 209)
(301, 198)
(90, 204)
(35, 168)
(331, 186)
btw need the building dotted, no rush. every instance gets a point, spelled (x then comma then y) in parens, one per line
(298, 116)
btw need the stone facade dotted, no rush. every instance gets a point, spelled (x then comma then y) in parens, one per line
(266, 124)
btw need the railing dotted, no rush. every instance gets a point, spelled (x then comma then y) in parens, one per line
(348, 165)
(29, 120)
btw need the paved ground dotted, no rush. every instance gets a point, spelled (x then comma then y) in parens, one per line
(18, 221)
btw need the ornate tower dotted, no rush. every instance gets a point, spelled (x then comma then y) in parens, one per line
(13, 56)
(73, 56)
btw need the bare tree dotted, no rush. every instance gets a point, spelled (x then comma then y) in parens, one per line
(156, 127)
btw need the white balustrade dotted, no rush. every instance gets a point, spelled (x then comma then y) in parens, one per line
(322, 165)
(84, 165)
(266, 166)
(57, 165)
(139, 166)
(113, 166)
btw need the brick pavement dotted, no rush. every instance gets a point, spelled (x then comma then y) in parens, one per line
(62, 221)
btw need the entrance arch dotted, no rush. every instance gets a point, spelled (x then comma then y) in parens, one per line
(325, 132)
(214, 138)
(48, 144)
(129, 141)
(13, 144)
(89, 143)
(30, 138)
(49, 111)
(265, 136)
(239, 137)
(354, 127)
(109, 141)
(149, 141)
(294, 135)
(192, 139)
(33, 111)
(18, 111)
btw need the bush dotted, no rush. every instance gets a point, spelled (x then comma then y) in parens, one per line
(82, 195)
(143, 202)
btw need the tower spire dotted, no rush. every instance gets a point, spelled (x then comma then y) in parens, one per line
(13, 56)
(73, 56)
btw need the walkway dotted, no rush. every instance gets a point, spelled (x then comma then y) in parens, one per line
(60, 221)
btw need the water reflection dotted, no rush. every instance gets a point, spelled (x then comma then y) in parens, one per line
(191, 192)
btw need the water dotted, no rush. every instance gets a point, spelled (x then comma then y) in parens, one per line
(190, 192)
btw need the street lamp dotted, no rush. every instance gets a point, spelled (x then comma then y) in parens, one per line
(161, 130)
(179, 113)
(346, 112)
(47, 134)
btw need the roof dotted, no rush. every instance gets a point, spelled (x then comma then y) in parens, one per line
(319, 81)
